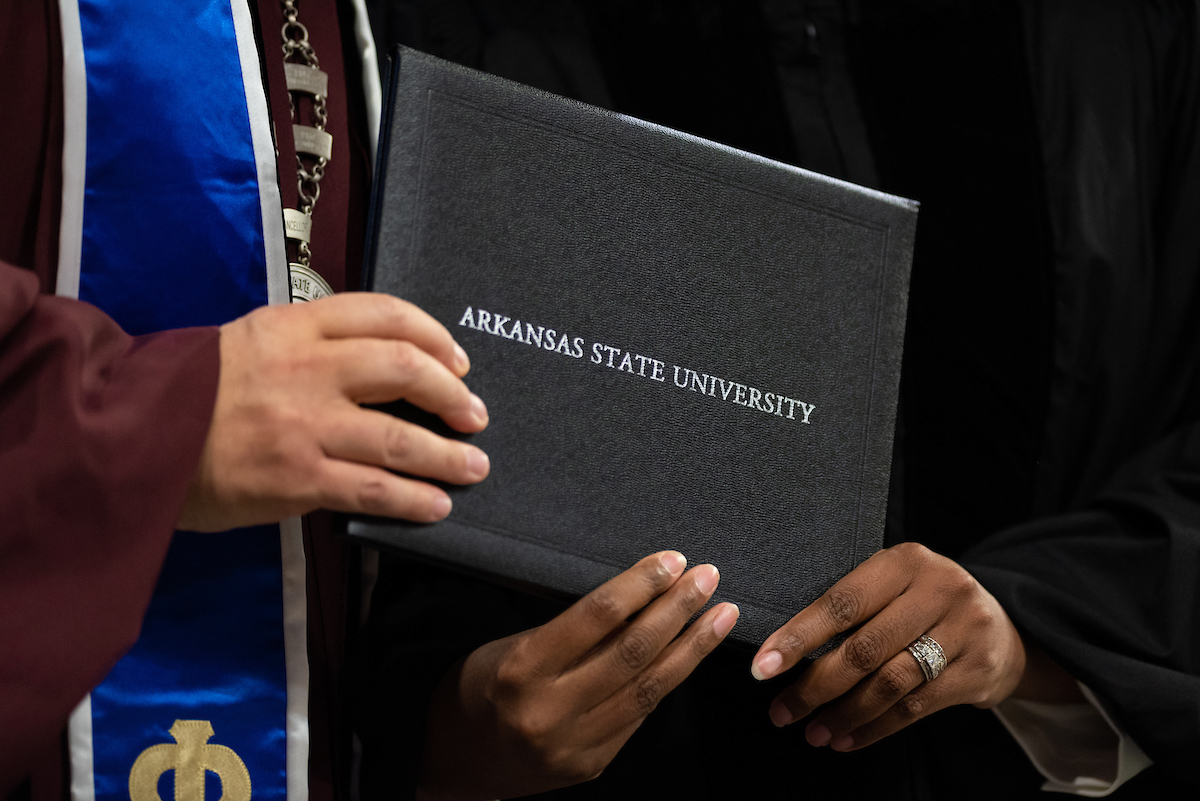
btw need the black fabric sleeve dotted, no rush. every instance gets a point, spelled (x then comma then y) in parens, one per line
(1113, 594)
(1105, 578)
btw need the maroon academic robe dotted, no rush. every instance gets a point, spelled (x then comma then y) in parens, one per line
(100, 432)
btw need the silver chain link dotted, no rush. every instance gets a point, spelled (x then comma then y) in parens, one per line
(309, 169)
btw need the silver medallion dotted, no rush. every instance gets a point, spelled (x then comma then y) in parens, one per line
(307, 284)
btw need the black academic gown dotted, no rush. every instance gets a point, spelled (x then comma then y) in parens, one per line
(1049, 430)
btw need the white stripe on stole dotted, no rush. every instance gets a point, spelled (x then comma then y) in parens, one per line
(295, 646)
(278, 284)
(372, 89)
(291, 533)
(74, 157)
(79, 748)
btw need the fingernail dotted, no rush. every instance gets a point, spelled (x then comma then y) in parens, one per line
(461, 361)
(441, 507)
(707, 578)
(780, 715)
(766, 665)
(478, 408)
(818, 735)
(673, 562)
(842, 743)
(478, 463)
(723, 622)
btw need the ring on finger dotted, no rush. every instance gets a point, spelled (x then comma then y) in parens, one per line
(929, 655)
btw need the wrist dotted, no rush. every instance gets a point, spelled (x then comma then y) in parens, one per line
(1044, 679)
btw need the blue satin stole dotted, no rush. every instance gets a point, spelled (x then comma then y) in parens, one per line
(173, 237)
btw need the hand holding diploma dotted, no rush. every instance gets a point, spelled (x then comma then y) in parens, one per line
(552, 706)
(872, 685)
(288, 434)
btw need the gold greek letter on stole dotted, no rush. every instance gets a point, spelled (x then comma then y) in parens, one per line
(190, 757)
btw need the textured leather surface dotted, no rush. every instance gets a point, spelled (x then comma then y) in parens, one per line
(618, 233)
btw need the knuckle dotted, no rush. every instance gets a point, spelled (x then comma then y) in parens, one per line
(635, 649)
(892, 681)
(843, 605)
(790, 643)
(265, 319)
(534, 731)
(397, 443)
(511, 674)
(911, 550)
(648, 691)
(601, 606)
(864, 651)
(398, 308)
(277, 422)
(910, 707)
(508, 679)
(405, 356)
(392, 311)
(272, 441)
(655, 577)
(986, 616)
(912, 555)
(372, 495)
(310, 489)
(986, 662)
(961, 583)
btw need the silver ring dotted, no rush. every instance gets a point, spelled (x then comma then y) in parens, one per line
(929, 656)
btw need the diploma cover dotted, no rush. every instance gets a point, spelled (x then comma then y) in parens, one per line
(681, 345)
